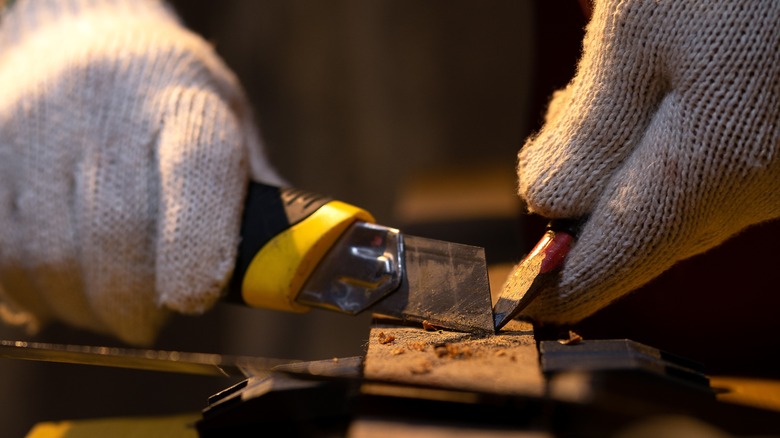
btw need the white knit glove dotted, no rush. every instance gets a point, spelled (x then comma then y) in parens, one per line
(125, 146)
(667, 138)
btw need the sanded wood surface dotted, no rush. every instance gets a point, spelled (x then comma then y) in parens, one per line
(506, 363)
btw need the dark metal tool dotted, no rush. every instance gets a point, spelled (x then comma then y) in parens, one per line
(204, 364)
(539, 270)
(601, 355)
(300, 250)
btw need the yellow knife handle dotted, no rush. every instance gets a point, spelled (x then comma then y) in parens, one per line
(284, 234)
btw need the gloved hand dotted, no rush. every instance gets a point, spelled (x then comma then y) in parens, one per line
(125, 151)
(667, 139)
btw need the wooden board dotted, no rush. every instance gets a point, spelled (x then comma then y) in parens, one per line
(506, 363)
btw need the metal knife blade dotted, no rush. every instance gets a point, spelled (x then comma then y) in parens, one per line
(539, 270)
(205, 364)
(412, 278)
(446, 284)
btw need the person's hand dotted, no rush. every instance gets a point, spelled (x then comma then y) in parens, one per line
(667, 140)
(125, 151)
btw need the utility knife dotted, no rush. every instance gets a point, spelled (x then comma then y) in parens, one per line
(300, 250)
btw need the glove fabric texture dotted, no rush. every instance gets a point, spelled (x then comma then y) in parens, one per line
(125, 151)
(666, 140)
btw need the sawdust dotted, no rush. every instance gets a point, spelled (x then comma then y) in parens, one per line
(506, 363)
(421, 367)
(453, 351)
(416, 346)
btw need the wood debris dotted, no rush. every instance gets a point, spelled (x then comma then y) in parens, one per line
(417, 346)
(456, 351)
(574, 339)
(452, 351)
(428, 327)
(383, 338)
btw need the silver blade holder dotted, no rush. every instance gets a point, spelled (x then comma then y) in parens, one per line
(362, 267)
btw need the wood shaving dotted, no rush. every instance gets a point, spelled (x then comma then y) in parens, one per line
(574, 339)
(428, 327)
(397, 351)
(383, 338)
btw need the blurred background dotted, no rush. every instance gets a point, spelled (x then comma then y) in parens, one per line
(414, 110)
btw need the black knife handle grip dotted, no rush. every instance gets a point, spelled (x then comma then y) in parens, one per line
(285, 234)
(268, 211)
